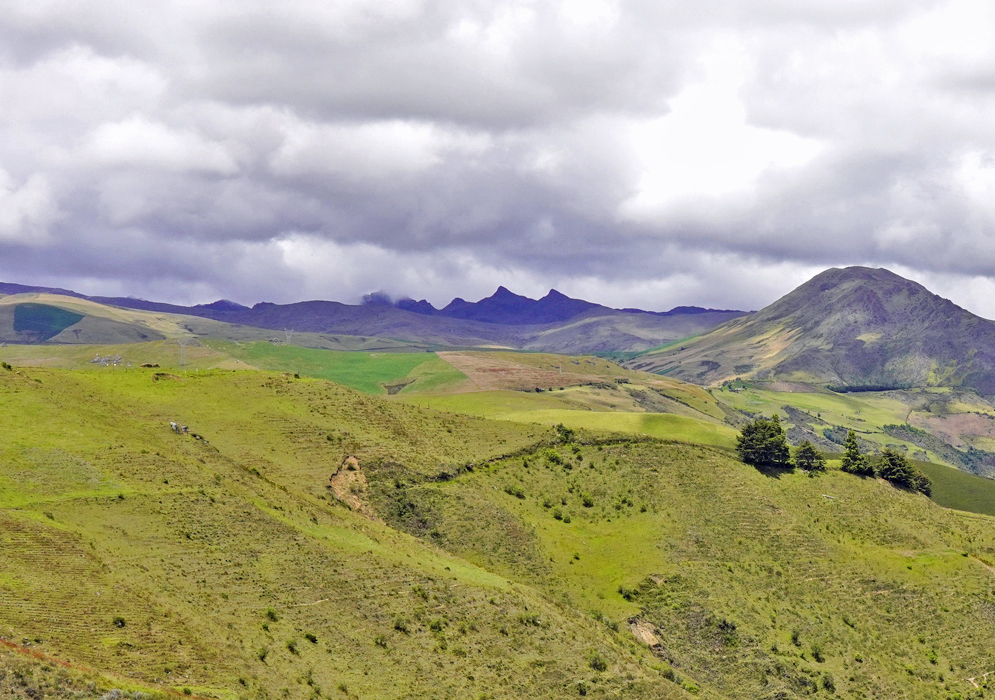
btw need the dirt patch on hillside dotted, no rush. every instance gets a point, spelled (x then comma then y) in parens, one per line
(491, 374)
(950, 428)
(644, 632)
(348, 484)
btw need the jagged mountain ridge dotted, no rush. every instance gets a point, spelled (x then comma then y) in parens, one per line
(854, 327)
(554, 323)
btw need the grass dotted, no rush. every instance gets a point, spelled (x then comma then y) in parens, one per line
(728, 565)
(492, 558)
(43, 320)
(659, 425)
(366, 372)
(956, 489)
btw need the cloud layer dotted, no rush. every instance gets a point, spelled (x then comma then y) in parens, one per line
(633, 153)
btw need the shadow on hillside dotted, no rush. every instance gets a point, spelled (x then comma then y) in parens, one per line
(775, 472)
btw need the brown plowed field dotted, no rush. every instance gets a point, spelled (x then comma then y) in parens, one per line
(488, 373)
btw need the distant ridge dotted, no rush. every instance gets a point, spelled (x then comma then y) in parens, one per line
(554, 323)
(506, 307)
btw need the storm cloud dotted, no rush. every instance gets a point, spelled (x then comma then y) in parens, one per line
(632, 153)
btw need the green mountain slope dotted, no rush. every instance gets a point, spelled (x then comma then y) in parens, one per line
(303, 540)
(852, 327)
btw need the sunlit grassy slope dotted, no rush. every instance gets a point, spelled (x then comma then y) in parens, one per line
(753, 585)
(226, 567)
(478, 558)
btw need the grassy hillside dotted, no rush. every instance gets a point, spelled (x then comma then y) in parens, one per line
(227, 566)
(304, 540)
(750, 585)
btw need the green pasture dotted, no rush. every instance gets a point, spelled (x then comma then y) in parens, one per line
(364, 371)
(659, 425)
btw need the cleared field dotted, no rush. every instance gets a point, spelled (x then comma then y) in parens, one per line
(371, 373)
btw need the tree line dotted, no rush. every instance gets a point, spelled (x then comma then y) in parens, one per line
(762, 443)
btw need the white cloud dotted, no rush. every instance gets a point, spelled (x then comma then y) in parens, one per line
(704, 150)
(139, 142)
(370, 150)
(26, 211)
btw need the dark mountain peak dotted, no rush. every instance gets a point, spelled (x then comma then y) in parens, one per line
(421, 306)
(222, 305)
(507, 308)
(863, 296)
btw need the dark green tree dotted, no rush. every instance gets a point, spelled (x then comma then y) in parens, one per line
(900, 471)
(808, 458)
(853, 461)
(762, 443)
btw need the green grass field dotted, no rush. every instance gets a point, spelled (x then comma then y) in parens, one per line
(366, 372)
(659, 425)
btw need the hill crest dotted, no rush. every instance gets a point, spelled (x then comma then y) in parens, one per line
(851, 327)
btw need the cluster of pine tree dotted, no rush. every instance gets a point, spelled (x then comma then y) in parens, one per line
(763, 443)
(892, 466)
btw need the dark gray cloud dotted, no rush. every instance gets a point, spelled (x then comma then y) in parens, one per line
(634, 153)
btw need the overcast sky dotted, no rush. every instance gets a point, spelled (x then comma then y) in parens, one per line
(648, 153)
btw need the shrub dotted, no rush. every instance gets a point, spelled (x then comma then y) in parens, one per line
(292, 647)
(310, 637)
(119, 621)
(597, 662)
(587, 501)
(381, 641)
(514, 490)
(401, 625)
(828, 683)
(271, 615)
(817, 653)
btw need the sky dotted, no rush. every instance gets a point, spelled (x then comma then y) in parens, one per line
(645, 154)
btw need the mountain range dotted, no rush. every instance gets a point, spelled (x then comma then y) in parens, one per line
(555, 323)
(852, 328)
